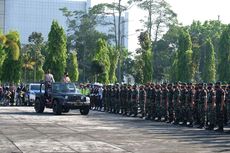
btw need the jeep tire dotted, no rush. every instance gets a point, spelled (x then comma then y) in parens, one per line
(57, 107)
(39, 106)
(84, 110)
(65, 110)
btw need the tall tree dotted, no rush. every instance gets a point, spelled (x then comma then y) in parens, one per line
(146, 53)
(115, 10)
(209, 74)
(160, 17)
(36, 45)
(28, 64)
(173, 73)
(72, 67)
(56, 52)
(3, 40)
(11, 68)
(113, 58)
(200, 32)
(138, 72)
(224, 55)
(102, 57)
(82, 36)
(185, 64)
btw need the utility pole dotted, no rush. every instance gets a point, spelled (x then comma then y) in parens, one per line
(119, 41)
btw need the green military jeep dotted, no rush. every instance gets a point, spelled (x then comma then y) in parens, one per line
(61, 97)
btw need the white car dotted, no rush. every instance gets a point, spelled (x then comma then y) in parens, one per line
(31, 90)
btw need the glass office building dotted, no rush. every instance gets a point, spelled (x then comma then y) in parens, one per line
(27, 16)
(2, 15)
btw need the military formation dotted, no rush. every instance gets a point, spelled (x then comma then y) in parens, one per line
(200, 105)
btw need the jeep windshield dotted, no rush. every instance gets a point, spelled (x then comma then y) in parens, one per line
(64, 88)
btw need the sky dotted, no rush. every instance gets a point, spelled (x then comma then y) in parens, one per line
(187, 11)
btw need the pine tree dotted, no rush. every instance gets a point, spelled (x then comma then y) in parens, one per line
(56, 52)
(185, 64)
(173, 74)
(146, 54)
(113, 57)
(209, 74)
(224, 55)
(102, 57)
(72, 67)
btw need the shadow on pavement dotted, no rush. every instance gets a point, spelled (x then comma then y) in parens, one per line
(165, 131)
(37, 114)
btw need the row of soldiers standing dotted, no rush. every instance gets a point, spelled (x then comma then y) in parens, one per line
(206, 106)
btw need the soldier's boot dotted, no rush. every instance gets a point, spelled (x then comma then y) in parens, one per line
(176, 122)
(158, 119)
(220, 129)
(191, 124)
(201, 126)
(184, 123)
(135, 113)
(210, 127)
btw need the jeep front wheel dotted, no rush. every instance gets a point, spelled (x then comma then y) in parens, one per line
(57, 107)
(65, 110)
(84, 111)
(39, 106)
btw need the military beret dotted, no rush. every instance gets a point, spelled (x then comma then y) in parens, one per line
(218, 83)
(210, 84)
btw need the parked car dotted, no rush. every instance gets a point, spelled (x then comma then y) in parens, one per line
(31, 90)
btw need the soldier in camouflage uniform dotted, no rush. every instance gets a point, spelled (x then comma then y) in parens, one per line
(183, 110)
(211, 107)
(118, 101)
(228, 102)
(134, 102)
(158, 102)
(164, 103)
(142, 100)
(176, 102)
(202, 104)
(108, 98)
(148, 106)
(129, 100)
(195, 108)
(153, 102)
(104, 97)
(220, 97)
(189, 104)
(224, 87)
(113, 99)
(125, 98)
(122, 98)
(170, 103)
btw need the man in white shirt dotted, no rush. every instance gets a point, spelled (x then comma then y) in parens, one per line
(49, 79)
(66, 78)
(100, 94)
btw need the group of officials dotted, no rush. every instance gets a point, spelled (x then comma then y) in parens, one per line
(201, 105)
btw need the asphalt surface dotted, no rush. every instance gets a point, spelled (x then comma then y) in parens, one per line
(22, 130)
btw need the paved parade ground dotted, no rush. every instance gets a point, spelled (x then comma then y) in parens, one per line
(22, 130)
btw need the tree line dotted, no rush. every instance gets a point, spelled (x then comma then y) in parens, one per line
(168, 50)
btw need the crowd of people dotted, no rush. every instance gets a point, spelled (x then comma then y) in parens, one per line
(13, 95)
(200, 105)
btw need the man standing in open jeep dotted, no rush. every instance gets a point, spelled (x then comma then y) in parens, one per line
(49, 79)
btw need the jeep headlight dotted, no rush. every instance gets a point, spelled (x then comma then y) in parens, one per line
(66, 97)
